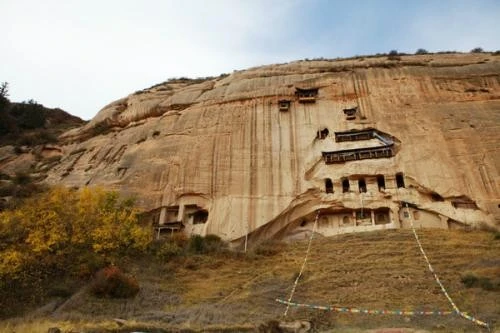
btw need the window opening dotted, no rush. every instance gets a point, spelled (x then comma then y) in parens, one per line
(328, 185)
(322, 134)
(345, 185)
(307, 95)
(381, 218)
(381, 182)
(350, 113)
(200, 217)
(284, 105)
(400, 181)
(346, 220)
(362, 185)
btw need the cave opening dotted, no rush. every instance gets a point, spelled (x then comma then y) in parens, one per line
(381, 182)
(322, 134)
(345, 185)
(200, 217)
(328, 185)
(400, 180)
(362, 185)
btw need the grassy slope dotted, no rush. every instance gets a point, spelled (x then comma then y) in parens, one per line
(379, 270)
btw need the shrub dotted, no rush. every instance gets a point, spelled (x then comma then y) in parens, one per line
(421, 51)
(393, 55)
(22, 178)
(214, 244)
(18, 150)
(269, 248)
(179, 239)
(7, 190)
(205, 245)
(112, 282)
(196, 244)
(486, 284)
(469, 280)
(39, 137)
(496, 52)
(477, 50)
(29, 114)
(101, 128)
(166, 250)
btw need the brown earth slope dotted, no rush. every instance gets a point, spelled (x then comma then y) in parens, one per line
(376, 270)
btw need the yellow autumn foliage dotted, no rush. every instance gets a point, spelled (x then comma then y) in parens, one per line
(63, 224)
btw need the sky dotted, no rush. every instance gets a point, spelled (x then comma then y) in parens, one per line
(80, 55)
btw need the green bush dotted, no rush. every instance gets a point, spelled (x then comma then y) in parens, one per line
(214, 244)
(167, 250)
(393, 55)
(29, 114)
(112, 282)
(421, 51)
(196, 244)
(477, 50)
(206, 245)
(469, 280)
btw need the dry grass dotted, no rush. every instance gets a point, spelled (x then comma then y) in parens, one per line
(378, 270)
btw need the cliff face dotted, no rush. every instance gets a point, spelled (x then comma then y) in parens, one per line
(357, 139)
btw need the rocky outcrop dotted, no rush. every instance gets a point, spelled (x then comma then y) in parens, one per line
(372, 143)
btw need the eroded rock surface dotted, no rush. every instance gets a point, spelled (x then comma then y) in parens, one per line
(247, 153)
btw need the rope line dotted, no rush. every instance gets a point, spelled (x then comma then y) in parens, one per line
(303, 265)
(438, 281)
(367, 311)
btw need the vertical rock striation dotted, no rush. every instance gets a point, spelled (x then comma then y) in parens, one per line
(220, 156)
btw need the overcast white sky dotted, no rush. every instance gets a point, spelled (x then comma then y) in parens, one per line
(80, 55)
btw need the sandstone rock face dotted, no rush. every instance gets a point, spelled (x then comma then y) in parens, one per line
(360, 144)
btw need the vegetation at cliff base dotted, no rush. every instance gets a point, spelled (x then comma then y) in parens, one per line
(64, 233)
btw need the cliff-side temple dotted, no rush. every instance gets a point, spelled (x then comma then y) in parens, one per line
(257, 153)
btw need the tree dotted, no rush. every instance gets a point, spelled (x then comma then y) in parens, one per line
(477, 50)
(4, 89)
(63, 230)
(4, 94)
(29, 114)
(5, 120)
(421, 51)
(393, 55)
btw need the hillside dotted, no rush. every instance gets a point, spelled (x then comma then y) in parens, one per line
(236, 292)
(29, 134)
(30, 123)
